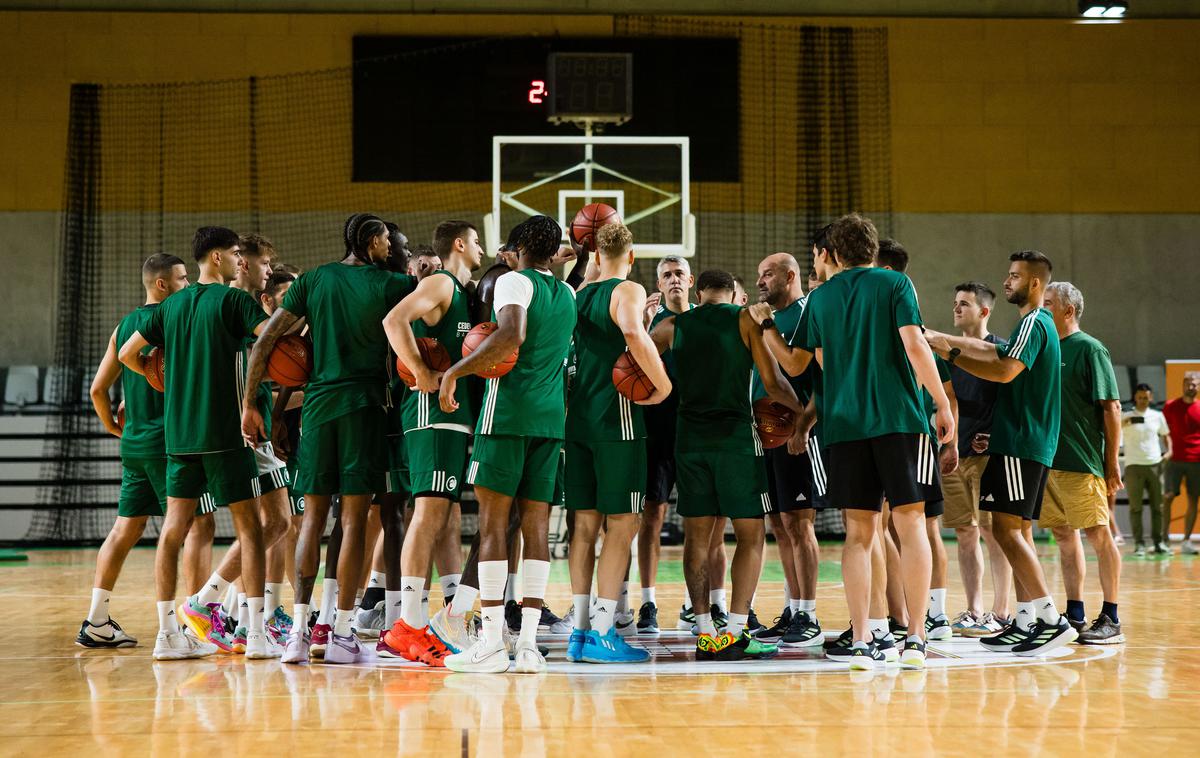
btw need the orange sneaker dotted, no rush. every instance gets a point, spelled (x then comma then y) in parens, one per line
(402, 641)
(432, 651)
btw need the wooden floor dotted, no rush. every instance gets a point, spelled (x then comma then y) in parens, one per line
(1140, 698)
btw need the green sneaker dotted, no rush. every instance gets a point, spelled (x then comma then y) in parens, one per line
(744, 648)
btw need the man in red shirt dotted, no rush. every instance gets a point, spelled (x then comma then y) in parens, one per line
(1183, 420)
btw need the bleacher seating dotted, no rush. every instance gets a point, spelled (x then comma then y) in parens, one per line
(22, 388)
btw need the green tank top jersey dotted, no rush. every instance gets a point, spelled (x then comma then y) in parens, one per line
(422, 410)
(529, 401)
(143, 433)
(713, 367)
(595, 410)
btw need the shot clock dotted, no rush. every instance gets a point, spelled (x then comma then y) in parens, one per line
(594, 87)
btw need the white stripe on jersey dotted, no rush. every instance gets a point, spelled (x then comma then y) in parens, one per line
(1022, 339)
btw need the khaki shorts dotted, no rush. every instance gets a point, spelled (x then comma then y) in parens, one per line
(1076, 500)
(961, 493)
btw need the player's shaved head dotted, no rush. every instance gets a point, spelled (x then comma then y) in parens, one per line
(783, 261)
(779, 281)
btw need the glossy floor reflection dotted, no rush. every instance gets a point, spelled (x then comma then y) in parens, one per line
(1144, 698)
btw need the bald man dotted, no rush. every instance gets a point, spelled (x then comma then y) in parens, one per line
(789, 471)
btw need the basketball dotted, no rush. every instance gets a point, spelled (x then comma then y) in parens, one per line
(291, 361)
(630, 380)
(121, 415)
(774, 422)
(473, 339)
(588, 221)
(153, 365)
(432, 352)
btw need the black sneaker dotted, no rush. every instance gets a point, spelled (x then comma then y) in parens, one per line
(886, 645)
(720, 620)
(896, 628)
(547, 620)
(1079, 626)
(865, 657)
(938, 628)
(845, 641)
(1046, 637)
(775, 632)
(106, 635)
(512, 615)
(803, 631)
(1006, 639)
(687, 620)
(1104, 631)
(753, 624)
(745, 648)
(913, 656)
(647, 622)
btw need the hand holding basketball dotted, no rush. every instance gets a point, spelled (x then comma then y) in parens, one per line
(291, 361)
(435, 361)
(154, 369)
(475, 338)
(588, 221)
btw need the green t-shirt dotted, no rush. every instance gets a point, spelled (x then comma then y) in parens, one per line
(530, 400)
(595, 410)
(869, 386)
(1025, 420)
(345, 306)
(713, 366)
(1087, 380)
(423, 410)
(787, 321)
(202, 329)
(142, 436)
(927, 404)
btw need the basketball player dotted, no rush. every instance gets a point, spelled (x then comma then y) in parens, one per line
(518, 441)
(973, 302)
(1085, 470)
(1023, 441)
(201, 329)
(342, 434)
(864, 327)
(674, 282)
(722, 473)
(143, 456)
(425, 261)
(435, 441)
(605, 446)
(790, 470)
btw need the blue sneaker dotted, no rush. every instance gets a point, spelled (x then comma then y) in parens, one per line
(611, 648)
(575, 645)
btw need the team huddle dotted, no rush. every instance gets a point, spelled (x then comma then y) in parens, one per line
(589, 394)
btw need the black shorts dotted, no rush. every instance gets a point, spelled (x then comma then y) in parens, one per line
(796, 481)
(863, 472)
(660, 455)
(1014, 486)
(935, 502)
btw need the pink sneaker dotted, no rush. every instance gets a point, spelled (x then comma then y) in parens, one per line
(297, 646)
(320, 640)
(342, 649)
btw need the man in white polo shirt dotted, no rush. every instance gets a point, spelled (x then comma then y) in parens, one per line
(1144, 430)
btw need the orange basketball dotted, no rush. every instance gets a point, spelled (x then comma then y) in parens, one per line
(774, 422)
(291, 362)
(630, 380)
(588, 221)
(155, 369)
(121, 415)
(475, 337)
(432, 352)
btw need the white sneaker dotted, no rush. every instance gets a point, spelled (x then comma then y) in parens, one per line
(451, 630)
(1188, 548)
(260, 647)
(177, 646)
(369, 622)
(623, 623)
(484, 657)
(564, 625)
(528, 659)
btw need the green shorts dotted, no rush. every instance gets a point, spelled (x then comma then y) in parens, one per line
(521, 467)
(229, 476)
(437, 460)
(722, 483)
(560, 495)
(143, 487)
(397, 480)
(607, 476)
(207, 506)
(344, 456)
(294, 495)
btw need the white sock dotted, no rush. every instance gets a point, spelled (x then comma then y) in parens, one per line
(410, 600)
(704, 624)
(491, 632)
(391, 606)
(937, 603)
(1046, 612)
(378, 580)
(808, 606)
(300, 613)
(878, 627)
(529, 624)
(736, 623)
(648, 595)
(272, 597)
(212, 590)
(424, 607)
(491, 588)
(449, 585)
(329, 591)
(537, 576)
(623, 601)
(167, 621)
(464, 600)
(510, 588)
(256, 615)
(603, 620)
(794, 605)
(243, 617)
(98, 614)
(717, 598)
(343, 619)
(581, 604)
(1025, 616)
